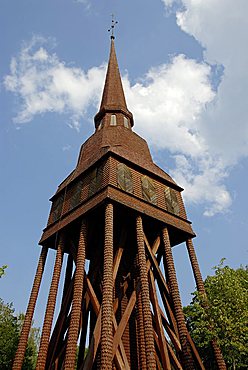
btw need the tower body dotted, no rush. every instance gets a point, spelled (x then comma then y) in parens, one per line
(114, 220)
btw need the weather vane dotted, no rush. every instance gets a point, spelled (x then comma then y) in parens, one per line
(113, 24)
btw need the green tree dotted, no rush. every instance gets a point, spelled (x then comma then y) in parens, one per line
(8, 335)
(225, 318)
(10, 328)
(2, 270)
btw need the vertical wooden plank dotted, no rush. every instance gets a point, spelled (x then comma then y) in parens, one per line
(107, 292)
(46, 330)
(73, 331)
(174, 290)
(159, 326)
(17, 365)
(148, 329)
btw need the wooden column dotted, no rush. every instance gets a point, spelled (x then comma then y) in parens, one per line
(174, 290)
(46, 330)
(30, 312)
(201, 289)
(145, 298)
(107, 293)
(71, 348)
(140, 328)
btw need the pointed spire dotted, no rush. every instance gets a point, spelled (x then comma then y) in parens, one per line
(113, 94)
(113, 98)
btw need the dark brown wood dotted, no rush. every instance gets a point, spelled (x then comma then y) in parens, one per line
(96, 335)
(195, 352)
(163, 285)
(187, 359)
(60, 327)
(159, 326)
(107, 293)
(46, 330)
(148, 330)
(175, 362)
(19, 357)
(170, 332)
(84, 320)
(121, 359)
(73, 331)
(124, 321)
(68, 275)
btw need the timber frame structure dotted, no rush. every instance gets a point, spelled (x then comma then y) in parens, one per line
(115, 219)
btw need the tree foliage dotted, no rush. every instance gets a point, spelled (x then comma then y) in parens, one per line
(225, 316)
(10, 328)
(2, 270)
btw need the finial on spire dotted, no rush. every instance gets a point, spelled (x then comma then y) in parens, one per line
(111, 29)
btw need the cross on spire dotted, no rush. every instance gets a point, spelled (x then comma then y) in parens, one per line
(111, 29)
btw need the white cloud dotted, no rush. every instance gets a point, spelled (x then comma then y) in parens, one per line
(220, 26)
(43, 84)
(168, 105)
(86, 3)
(203, 180)
(168, 102)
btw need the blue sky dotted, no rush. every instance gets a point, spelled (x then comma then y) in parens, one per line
(184, 68)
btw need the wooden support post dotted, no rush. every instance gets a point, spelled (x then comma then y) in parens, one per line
(201, 289)
(148, 329)
(60, 326)
(158, 320)
(165, 294)
(107, 293)
(44, 342)
(71, 347)
(124, 321)
(68, 275)
(97, 331)
(17, 365)
(141, 333)
(170, 332)
(85, 319)
(174, 290)
(96, 307)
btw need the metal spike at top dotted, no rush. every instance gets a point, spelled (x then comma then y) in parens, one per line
(111, 29)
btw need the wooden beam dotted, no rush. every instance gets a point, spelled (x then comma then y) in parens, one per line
(163, 285)
(187, 358)
(117, 261)
(148, 329)
(124, 321)
(170, 332)
(159, 326)
(73, 331)
(20, 353)
(121, 358)
(51, 302)
(174, 359)
(97, 331)
(84, 326)
(60, 325)
(96, 335)
(195, 352)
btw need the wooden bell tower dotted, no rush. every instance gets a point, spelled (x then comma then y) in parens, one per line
(115, 219)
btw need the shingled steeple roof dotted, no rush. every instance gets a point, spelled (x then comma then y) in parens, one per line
(113, 98)
(114, 133)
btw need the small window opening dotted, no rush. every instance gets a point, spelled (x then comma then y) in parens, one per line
(126, 122)
(113, 120)
(100, 125)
